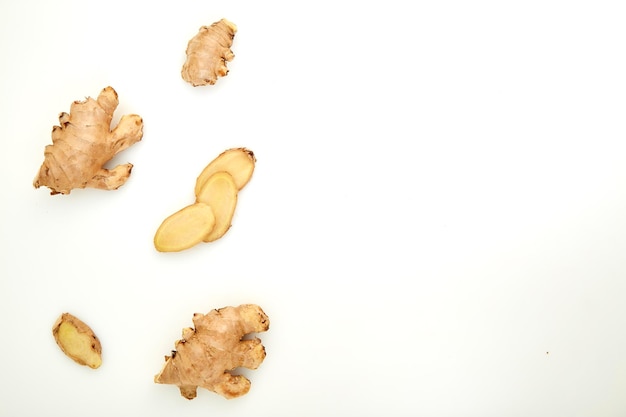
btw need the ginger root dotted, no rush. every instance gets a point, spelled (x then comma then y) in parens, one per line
(84, 143)
(216, 190)
(207, 353)
(208, 52)
(77, 341)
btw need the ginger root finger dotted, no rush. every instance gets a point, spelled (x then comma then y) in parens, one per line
(185, 228)
(77, 341)
(208, 52)
(238, 162)
(84, 142)
(208, 353)
(219, 192)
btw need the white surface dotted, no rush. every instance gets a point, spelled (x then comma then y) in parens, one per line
(436, 225)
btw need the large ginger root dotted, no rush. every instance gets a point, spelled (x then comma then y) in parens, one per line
(84, 143)
(208, 52)
(77, 341)
(216, 190)
(206, 354)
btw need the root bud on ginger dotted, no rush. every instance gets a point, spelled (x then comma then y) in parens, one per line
(77, 341)
(208, 353)
(84, 142)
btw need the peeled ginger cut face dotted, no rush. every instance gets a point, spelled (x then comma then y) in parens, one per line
(219, 192)
(185, 228)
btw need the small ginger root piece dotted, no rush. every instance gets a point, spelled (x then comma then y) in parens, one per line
(208, 52)
(84, 143)
(219, 192)
(238, 162)
(207, 353)
(185, 228)
(77, 341)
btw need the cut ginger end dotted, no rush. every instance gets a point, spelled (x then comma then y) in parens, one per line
(77, 341)
(185, 228)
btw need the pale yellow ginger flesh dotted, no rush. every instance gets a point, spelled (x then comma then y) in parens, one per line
(238, 162)
(77, 341)
(84, 143)
(185, 228)
(217, 188)
(208, 353)
(208, 52)
(219, 192)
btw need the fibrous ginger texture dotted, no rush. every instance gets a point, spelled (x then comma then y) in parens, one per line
(208, 52)
(84, 142)
(207, 353)
(77, 341)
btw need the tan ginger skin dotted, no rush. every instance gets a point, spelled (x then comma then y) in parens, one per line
(206, 354)
(84, 143)
(208, 52)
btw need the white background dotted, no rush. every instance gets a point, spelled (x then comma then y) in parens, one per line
(436, 225)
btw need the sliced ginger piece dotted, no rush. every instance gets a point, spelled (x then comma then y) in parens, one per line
(185, 228)
(216, 194)
(84, 143)
(77, 341)
(219, 192)
(238, 162)
(207, 53)
(208, 353)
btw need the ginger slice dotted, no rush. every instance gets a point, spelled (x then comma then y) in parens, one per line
(208, 353)
(219, 192)
(185, 228)
(84, 143)
(238, 162)
(207, 53)
(77, 341)
(216, 189)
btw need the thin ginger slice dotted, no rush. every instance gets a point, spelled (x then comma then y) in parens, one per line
(208, 353)
(219, 192)
(84, 143)
(207, 53)
(238, 162)
(185, 228)
(77, 341)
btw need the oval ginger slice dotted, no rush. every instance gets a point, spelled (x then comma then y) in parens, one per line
(185, 228)
(220, 192)
(77, 341)
(238, 162)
